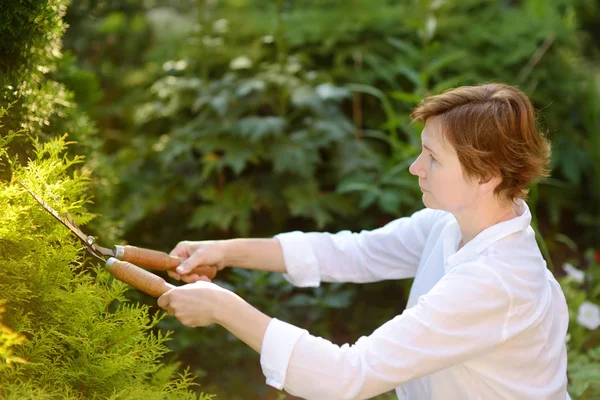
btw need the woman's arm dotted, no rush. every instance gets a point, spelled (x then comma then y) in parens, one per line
(445, 328)
(262, 254)
(390, 252)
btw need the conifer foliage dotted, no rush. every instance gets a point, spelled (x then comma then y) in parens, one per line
(83, 339)
(8, 339)
(66, 329)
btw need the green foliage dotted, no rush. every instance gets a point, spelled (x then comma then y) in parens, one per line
(582, 291)
(31, 68)
(31, 32)
(84, 340)
(245, 164)
(8, 339)
(69, 331)
(25, 29)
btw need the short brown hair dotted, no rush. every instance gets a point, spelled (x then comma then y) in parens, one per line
(493, 129)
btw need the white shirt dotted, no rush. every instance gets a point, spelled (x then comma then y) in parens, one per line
(485, 322)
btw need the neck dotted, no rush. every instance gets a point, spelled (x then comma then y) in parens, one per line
(479, 217)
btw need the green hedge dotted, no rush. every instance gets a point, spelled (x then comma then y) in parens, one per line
(67, 331)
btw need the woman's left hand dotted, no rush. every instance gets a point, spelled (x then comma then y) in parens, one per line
(196, 304)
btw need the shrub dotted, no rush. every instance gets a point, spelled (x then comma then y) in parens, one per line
(83, 338)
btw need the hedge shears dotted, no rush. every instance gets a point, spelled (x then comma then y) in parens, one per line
(122, 261)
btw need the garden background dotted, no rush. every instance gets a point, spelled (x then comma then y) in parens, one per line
(156, 121)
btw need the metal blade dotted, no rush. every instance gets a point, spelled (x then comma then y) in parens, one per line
(93, 253)
(87, 240)
(104, 251)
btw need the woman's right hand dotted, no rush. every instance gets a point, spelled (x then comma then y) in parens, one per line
(207, 253)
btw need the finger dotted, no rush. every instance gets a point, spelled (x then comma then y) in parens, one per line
(181, 250)
(191, 278)
(194, 260)
(164, 300)
(174, 275)
(170, 311)
(205, 278)
(176, 252)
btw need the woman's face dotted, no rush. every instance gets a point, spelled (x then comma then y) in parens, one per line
(441, 177)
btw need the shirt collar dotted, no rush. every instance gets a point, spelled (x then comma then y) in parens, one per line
(489, 236)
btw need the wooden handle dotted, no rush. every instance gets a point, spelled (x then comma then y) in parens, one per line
(139, 278)
(146, 258)
(157, 260)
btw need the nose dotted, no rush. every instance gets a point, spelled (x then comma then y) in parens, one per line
(417, 169)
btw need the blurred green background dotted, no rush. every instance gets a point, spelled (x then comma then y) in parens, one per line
(245, 118)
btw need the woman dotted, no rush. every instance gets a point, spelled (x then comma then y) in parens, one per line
(485, 318)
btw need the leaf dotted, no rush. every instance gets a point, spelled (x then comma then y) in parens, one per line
(305, 97)
(404, 46)
(339, 299)
(572, 161)
(348, 187)
(220, 103)
(306, 200)
(238, 157)
(292, 157)
(451, 82)
(407, 97)
(229, 208)
(387, 106)
(250, 86)
(382, 68)
(443, 61)
(256, 129)
(390, 201)
(301, 300)
(334, 131)
(411, 74)
(327, 91)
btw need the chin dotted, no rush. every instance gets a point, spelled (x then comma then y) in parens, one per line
(427, 201)
(430, 203)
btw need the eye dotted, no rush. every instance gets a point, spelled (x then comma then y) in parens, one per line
(432, 158)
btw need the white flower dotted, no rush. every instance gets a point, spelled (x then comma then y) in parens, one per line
(327, 91)
(589, 315)
(221, 25)
(437, 4)
(169, 24)
(574, 273)
(293, 67)
(211, 41)
(241, 62)
(175, 65)
(311, 75)
(430, 26)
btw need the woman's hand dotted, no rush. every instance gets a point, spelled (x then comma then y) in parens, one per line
(198, 304)
(208, 253)
(204, 303)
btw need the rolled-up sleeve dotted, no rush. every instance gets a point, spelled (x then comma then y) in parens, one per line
(278, 343)
(462, 316)
(390, 252)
